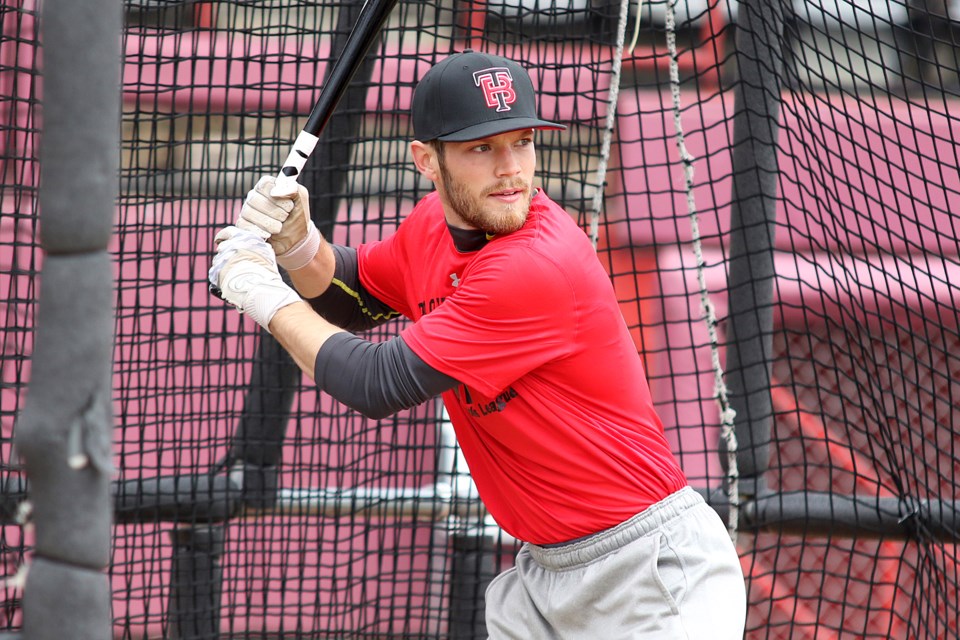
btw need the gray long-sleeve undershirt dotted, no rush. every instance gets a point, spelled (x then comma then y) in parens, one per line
(376, 379)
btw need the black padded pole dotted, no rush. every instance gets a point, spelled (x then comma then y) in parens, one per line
(752, 226)
(474, 568)
(193, 612)
(846, 516)
(187, 498)
(64, 432)
(258, 441)
(813, 513)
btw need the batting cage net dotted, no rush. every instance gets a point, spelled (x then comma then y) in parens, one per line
(773, 189)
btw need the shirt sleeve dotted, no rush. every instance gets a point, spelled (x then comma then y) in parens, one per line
(376, 379)
(346, 303)
(512, 313)
(379, 273)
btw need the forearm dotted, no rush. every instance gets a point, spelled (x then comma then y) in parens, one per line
(313, 279)
(301, 332)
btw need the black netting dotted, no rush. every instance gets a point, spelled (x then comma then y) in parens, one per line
(253, 506)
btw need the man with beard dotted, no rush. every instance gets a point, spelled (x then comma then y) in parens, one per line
(516, 324)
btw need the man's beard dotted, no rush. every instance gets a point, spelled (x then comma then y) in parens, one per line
(471, 210)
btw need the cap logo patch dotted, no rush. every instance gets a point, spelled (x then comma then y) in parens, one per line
(497, 86)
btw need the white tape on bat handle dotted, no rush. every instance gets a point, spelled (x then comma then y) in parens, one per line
(293, 165)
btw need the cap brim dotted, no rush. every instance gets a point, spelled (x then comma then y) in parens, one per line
(495, 127)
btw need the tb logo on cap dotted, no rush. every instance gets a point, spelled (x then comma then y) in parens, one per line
(497, 86)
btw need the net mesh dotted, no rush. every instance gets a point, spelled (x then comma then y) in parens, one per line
(374, 529)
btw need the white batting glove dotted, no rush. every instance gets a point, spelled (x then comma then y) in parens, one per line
(283, 220)
(244, 273)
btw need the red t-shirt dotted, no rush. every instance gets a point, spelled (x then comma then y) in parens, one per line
(553, 412)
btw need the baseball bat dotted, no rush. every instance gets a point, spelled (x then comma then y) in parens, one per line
(372, 15)
(370, 20)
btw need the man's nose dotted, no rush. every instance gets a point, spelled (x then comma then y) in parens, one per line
(507, 163)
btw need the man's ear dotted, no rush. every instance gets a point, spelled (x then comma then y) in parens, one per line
(425, 158)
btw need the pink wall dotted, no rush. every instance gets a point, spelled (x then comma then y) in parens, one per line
(871, 179)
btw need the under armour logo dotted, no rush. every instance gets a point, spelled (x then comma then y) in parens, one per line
(456, 279)
(497, 86)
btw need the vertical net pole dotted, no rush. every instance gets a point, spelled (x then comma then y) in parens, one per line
(65, 431)
(197, 583)
(752, 226)
(727, 414)
(473, 569)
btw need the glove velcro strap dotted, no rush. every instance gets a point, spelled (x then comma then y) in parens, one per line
(301, 253)
(268, 299)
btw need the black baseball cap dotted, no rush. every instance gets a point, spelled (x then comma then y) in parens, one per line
(473, 95)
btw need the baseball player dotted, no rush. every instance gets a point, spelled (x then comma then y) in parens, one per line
(516, 324)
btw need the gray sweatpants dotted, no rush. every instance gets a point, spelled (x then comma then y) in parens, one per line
(669, 573)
